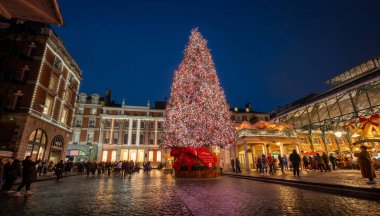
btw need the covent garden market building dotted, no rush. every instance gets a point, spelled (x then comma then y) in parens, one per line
(337, 121)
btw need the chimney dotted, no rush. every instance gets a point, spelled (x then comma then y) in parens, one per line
(107, 98)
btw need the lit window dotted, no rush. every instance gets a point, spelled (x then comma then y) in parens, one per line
(116, 124)
(90, 136)
(105, 154)
(113, 156)
(91, 123)
(159, 156)
(48, 106)
(125, 138)
(150, 158)
(64, 115)
(93, 111)
(52, 83)
(159, 125)
(134, 125)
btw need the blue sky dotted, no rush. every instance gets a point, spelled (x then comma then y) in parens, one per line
(268, 53)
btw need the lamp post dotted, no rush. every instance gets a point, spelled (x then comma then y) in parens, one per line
(89, 156)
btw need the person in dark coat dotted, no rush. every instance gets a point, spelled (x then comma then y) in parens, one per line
(305, 162)
(12, 170)
(237, 164)
(295, 159)
(333, 161)
(365, 164)
(319, 161)
(28, 175)
(59, 169)
(233, 164)
(325, 161)
(88, 168)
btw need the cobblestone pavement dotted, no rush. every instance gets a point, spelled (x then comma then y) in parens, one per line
(339, 177)
(159, 194)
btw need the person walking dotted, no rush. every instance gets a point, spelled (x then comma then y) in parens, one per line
(270, 164)
(237, 164)
(281, 163)
(325, 161)
(333, 161)
(264, 164)
(305, 162)
(233, 164)
(88, 168)
(365, 164)
(285, 162)
(295, 159)
(28, 175)
(221, 165)
(319, 161)
(59, 170)
(12, 170)
(258, 165)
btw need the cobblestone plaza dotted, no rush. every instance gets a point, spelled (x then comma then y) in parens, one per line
(160, 194)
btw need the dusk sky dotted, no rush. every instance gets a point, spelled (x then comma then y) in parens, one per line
(268, 53)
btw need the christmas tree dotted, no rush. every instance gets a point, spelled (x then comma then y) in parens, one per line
(197, 114)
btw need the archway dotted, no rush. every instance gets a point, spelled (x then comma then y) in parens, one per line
(56, 148)
(37, 145)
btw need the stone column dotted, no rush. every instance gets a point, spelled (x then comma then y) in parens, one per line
(281, 149)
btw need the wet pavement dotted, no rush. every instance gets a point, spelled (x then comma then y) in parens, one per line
(159, 194)
(338, 177)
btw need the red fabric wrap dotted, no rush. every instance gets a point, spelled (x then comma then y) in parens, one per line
(184, 156)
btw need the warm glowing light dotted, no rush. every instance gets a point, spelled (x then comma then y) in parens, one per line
(355, 135)
(197, 114)
(278, 143)
(338, 134)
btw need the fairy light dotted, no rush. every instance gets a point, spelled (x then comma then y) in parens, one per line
(38, 79)
(197, 114)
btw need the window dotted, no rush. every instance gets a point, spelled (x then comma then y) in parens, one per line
(116, 124)
(126, 124)
(108, 123)
(238, 118)
(159, 125)
(48, 106)
(151, 125)
(158, 156)
(113, 156)
(115, 137)
(150, 158)
(90, 136)
(134, 124)
(142, 139)
(107, 138)
(133, 138)
(57, 63)
(125, 138)
(52, 82)
(80, 110)
(71, 78)
(15, 100)
(64, 115)
(93, 111)
(142, 125)
(76, 137)
(160, 114)
(151, 114)
(78, 123)
(151, 139)
(143, 113)
(105, 154)
(91, 123)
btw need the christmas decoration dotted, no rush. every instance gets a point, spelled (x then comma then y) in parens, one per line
(197, 114)
(367, 127)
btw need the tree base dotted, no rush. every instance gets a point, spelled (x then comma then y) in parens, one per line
(197, 174)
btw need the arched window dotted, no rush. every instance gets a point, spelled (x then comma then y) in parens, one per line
(37, 144)
(57, 142)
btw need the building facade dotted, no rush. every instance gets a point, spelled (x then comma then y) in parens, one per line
(322, 120)
(39, 84)
(105, 131)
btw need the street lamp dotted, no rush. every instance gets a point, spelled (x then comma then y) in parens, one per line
(89, 157)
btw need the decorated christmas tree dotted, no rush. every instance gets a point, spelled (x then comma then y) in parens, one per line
(197, 115)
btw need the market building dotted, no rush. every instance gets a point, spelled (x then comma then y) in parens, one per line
(106, 131)
(39, 82)
(341, 118)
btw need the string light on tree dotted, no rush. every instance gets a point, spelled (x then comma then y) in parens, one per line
(197, 114)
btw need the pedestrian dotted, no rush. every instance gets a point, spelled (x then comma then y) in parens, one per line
(39, 167)
(270, 164)
(365, 164)
(59, 170)
(258, 165)
(237, 164)
(264, 164)
(325, 161)
(88, 168)
(295, 159)
(221, 165)
(94, 167)
(233, 164)
(281, 163)
(333, 161)
(305, 162)
(28, 175)
(319, 161)
(285, 162)
(12, 170)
